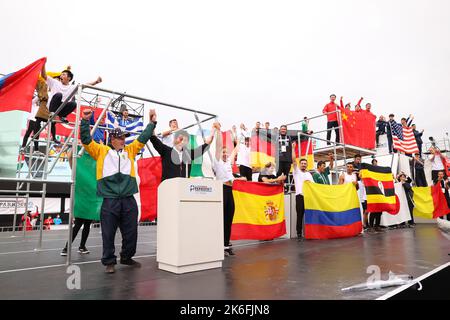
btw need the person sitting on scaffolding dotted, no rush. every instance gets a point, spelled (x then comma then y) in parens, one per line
(116, 184)
(330, 110)
(59, 92)
(39, 112)
(305, 129)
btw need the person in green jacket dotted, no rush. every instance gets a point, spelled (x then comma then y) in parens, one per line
(116, 184)
(321, 176)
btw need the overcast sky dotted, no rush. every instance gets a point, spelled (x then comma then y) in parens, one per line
(247, 60)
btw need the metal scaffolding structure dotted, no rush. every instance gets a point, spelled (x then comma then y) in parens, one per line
(341, 151)
(40, 166)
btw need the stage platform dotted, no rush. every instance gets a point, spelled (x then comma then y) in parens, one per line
(283, 269)
(321, 154)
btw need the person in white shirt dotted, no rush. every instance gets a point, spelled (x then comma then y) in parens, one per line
(59, 92)
(349, 176)
(224, 172)
(437, 163)
(167, 136)
(300, 176)
(243, 133)
(243, 159)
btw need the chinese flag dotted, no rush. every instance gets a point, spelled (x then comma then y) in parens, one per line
(359, 128)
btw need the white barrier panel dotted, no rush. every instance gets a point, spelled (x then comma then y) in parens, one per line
(52, 205)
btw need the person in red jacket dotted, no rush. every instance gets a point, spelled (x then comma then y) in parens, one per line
(27, 218)
(332, 118)
(48, 222)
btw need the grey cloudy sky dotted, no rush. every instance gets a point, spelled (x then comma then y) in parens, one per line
(247, 60)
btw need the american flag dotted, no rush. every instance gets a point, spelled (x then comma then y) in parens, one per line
(403, 138)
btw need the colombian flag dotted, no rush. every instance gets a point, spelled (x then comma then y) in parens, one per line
(331, 211)
(307, 153)
(380, 190)
(259, 211)
(430, 202)
(262, 149)
(17, 88)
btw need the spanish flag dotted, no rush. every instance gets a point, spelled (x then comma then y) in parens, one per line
(430, 202)
(262, 149)
(379, 184)
(306, 148)
(259, 211)
(331, 211)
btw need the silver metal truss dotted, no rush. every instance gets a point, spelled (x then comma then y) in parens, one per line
(84, 95)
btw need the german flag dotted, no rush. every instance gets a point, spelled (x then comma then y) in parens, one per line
(379, 184)
(429, 202)
(262, 149)
(259, 211)
(306, 147)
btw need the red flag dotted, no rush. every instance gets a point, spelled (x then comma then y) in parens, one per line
(359, 128)
(440, 202)
(16, 89)
(150, 172)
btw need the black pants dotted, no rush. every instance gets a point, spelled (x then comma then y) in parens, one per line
(284, 167)
(246, 172)
(390, 143)
(122, 213)
(57, 101)
(300, 208)
(228, 213)
(52, 127)
(375, 219)
(411, 209)
(420, 179)
(377, 136)
(30, 129)
(84, 234)
(332, 124)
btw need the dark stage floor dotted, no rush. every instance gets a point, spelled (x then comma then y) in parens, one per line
(280, 269)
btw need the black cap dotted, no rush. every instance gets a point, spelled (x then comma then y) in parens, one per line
(118, 133)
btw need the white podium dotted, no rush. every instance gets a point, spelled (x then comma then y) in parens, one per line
(190, 225)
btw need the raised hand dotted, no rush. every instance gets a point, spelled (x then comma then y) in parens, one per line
(152, 115)
(86, 115)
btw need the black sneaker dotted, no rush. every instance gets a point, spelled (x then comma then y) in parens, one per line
(64, 252)
(229, 252)
(131, 262)
(83, 250)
